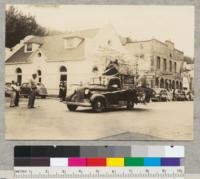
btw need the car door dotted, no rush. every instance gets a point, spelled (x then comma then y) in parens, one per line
(114, 90)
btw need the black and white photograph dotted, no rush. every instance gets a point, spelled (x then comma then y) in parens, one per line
(99, 72)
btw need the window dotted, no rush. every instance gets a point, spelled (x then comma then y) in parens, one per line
(158, 63)
(170, 66)
(29, 47)
(63, 74)
(95, 69)
(109, 42)
(63, 69)
(175, 66)
(165, 64)
(69, 43)
(39, 73)
(19, 75)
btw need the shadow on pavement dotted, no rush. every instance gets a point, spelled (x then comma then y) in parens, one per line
(110, 110)
(131, 136)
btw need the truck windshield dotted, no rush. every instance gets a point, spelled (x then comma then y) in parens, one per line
(99, 81)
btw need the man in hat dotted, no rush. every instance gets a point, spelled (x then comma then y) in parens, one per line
(33, 87)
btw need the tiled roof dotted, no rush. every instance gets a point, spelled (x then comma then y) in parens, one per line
(20, 57)
(53, 47)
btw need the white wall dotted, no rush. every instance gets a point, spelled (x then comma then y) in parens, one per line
(78, 71)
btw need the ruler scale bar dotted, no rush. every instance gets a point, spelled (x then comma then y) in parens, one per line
(96, 172)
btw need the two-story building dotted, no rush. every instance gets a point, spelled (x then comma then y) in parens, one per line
(72, 57)
(161, 63)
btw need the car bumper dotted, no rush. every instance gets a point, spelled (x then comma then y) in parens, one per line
(84, 104)
(155, 99)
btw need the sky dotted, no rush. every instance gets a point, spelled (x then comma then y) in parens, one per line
(175, 23)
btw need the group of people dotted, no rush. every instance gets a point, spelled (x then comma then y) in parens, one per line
(15, 92)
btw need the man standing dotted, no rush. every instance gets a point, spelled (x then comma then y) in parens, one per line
(33, 87)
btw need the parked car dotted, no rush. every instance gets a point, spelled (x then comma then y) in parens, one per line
(41, 90)
(179, 95)
(161, 94)
(101, 93)
(8, 89)
(188, 94)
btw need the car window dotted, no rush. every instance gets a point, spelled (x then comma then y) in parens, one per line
(114, 82)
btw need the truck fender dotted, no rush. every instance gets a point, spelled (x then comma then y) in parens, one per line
(95, 96)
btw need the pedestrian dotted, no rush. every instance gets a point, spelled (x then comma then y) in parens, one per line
(33, 86)
(62, 91)
(13, 94)
(17, 94)
(174, 95)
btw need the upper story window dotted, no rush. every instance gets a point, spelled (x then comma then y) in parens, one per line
(158, 63)
(170, 66)
(109, 42)
(69, 43)
(29, 47)
(175, 67)
(72, 42)
(165, 64)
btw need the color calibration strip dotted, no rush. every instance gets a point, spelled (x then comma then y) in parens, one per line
(96, 156)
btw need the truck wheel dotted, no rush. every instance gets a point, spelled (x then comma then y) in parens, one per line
(72, 107)
(130, 105)
(98, 105)
(43, 96)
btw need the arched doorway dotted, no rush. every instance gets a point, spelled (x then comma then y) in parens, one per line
(157, 82)
(162, 83)
(95, 70)
(173, 84)
(63, 74)
(181, 85)
(177, 85)
(166, 84)
(39, 74)
(19, 75)
(170, 84)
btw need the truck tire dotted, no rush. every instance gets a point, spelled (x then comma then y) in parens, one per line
(43, 96)
(98, 105)
(72, 107)
(130, 105)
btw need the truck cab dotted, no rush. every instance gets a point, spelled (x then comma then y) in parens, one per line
(101, 93)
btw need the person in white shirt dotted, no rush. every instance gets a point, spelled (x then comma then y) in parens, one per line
(13, 94)
(17, 94)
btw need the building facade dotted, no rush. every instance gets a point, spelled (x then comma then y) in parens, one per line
(161, 63)
(71, 57)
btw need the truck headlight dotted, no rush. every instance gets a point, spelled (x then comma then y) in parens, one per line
(87, 91)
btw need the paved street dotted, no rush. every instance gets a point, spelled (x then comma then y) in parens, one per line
(51, 120)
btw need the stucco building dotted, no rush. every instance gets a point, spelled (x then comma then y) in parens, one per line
(160, 62)
(72, 57)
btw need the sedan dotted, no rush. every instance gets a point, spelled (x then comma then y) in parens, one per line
(41, 90)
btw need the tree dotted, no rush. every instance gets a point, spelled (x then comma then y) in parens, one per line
(19, 26)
